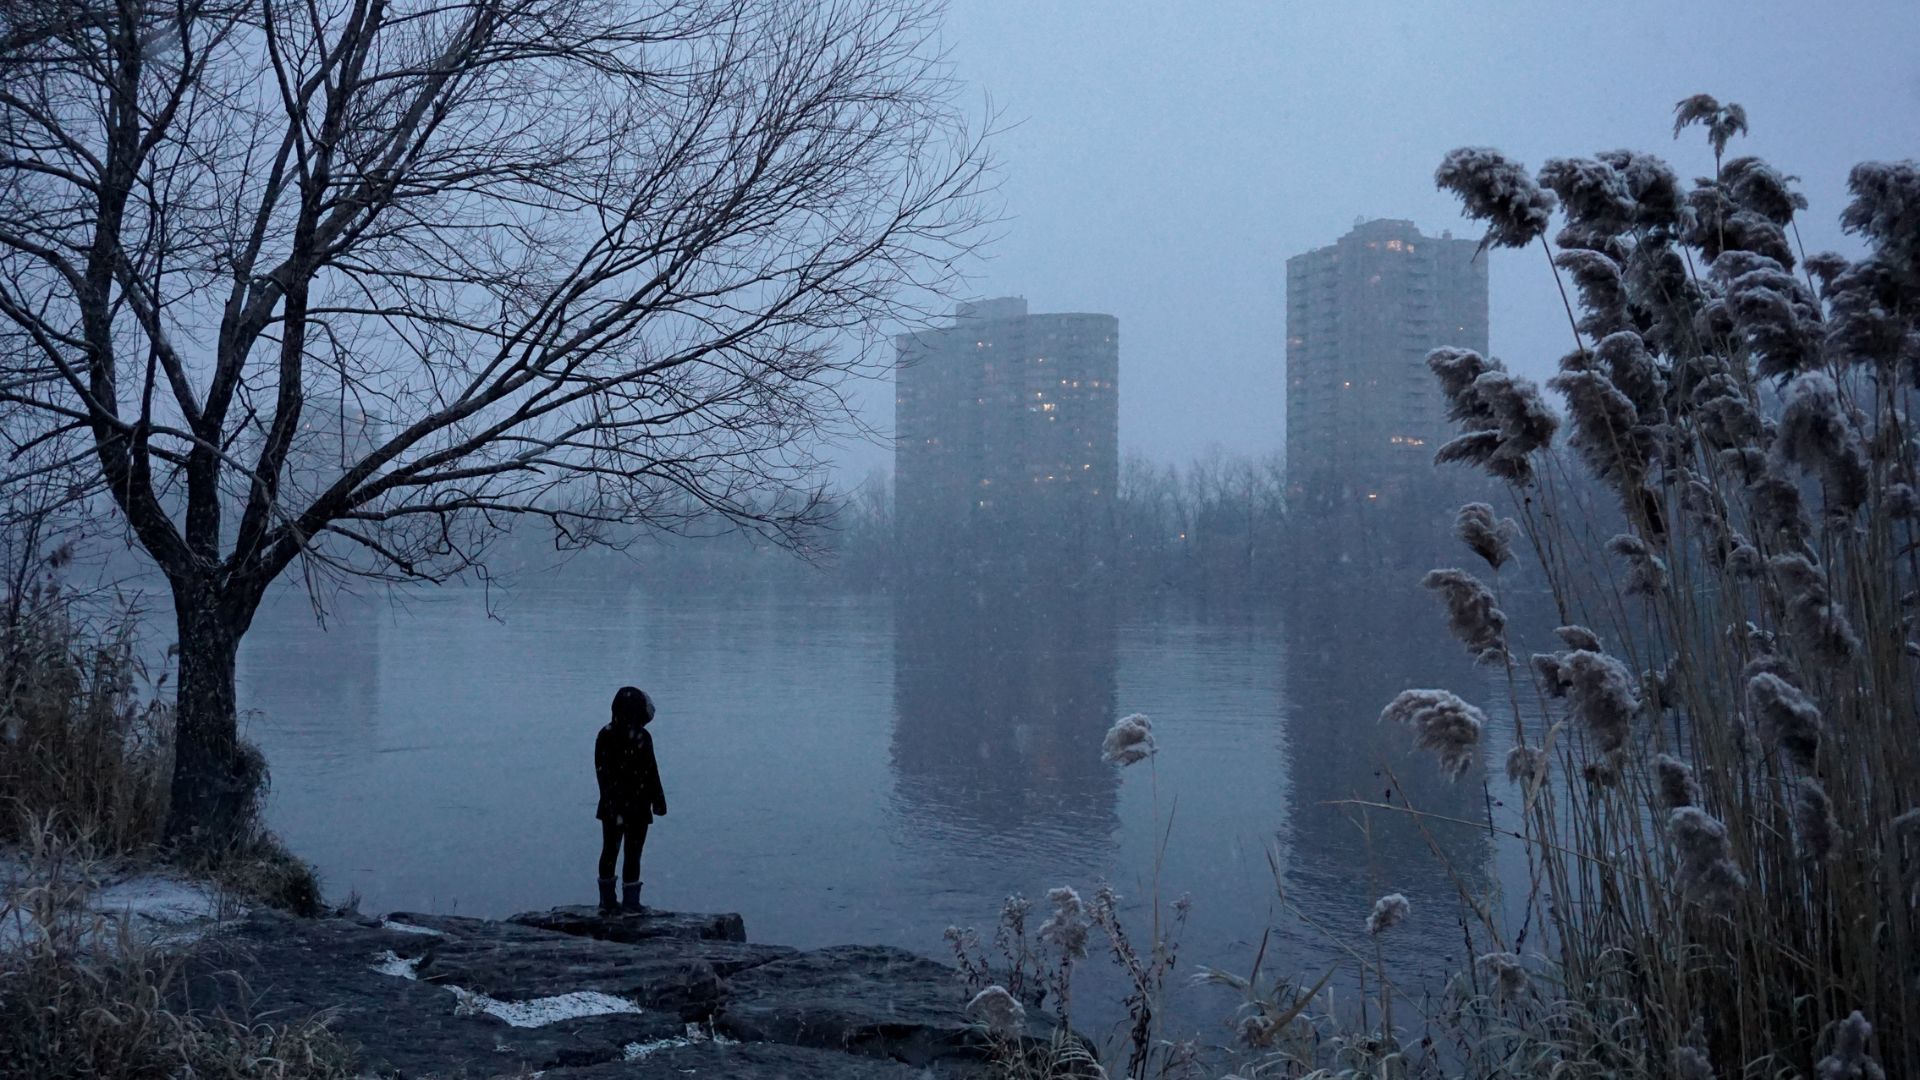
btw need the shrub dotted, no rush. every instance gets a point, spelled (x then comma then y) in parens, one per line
(86, 749)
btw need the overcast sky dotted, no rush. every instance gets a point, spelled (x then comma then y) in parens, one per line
(1169, 157)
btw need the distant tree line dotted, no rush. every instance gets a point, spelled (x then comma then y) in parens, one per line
(1217, 527)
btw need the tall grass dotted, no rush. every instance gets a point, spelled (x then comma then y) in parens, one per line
(84, 740)
(83, 996)
(85, 758)
(1722, 875)
(1716, 756)
(86, 746)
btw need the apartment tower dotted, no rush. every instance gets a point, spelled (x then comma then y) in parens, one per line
(1364, 415)
(1006, 429)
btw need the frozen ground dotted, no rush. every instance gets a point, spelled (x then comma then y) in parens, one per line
(154, 902)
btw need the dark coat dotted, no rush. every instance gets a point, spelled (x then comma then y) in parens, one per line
(630, 791)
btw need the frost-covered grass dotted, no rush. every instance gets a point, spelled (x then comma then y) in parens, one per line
(154, 902)
(89, 994)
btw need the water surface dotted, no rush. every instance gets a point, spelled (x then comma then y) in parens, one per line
(868, 769)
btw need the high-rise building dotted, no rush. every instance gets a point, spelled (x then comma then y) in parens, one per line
(1364, 414)
(1006, 428)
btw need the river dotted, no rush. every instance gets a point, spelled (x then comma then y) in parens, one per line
(875, 769)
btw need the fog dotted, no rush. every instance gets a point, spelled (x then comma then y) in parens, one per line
(1164, 160)
(397, 530)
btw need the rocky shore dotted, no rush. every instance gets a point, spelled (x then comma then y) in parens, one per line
(570, 995)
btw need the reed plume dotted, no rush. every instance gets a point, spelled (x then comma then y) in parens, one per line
(1471, 614)
(1499, 192)
(1485, 535)
(1706, 870)
(998, 1010)
(1849, 1059)
(1388, 912)
(1128, 741)
(1646, 572)
(1676, 785)
(1442, 723)
(1067, 927)
(1786, 717)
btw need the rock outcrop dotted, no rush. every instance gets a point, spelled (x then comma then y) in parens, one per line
(580, 997)
(585, 921)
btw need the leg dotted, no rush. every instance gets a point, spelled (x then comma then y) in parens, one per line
(636, 842)
(630, 871)
(609, 847)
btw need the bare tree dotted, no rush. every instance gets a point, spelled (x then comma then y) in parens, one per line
(345, 283)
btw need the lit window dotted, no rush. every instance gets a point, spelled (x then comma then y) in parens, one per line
(1395, 245)
(1049, 407)
(1373, 496)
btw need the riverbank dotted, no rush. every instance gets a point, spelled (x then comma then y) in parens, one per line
(568, 995)
(563, 994)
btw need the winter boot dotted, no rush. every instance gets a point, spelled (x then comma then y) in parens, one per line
(608, 905)
(630, 899)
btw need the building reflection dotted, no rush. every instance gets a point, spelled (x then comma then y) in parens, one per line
(1002, 695)
(1348, 656)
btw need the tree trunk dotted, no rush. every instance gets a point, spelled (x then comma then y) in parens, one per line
(214, 776)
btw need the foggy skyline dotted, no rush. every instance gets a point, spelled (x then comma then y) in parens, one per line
(1164, 161)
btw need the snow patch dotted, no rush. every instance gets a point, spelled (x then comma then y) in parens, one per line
(634, 1051)
(159, 899)
(540, 1012)
(154, 904)
(391, 964)
(409, 928)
